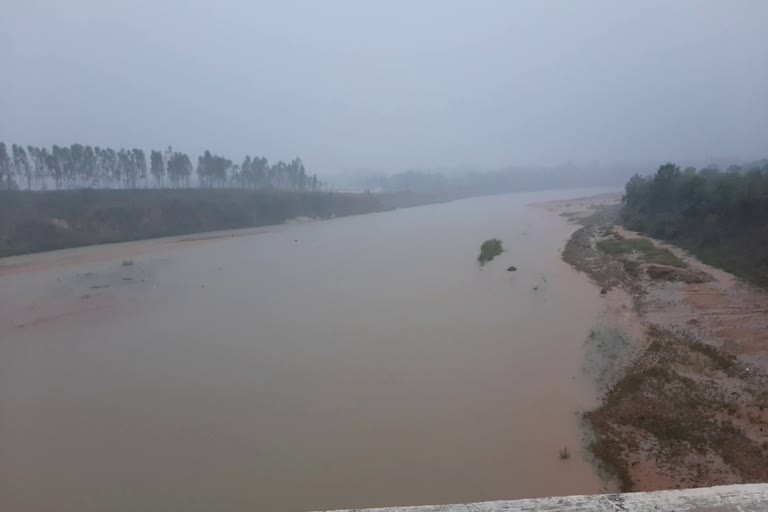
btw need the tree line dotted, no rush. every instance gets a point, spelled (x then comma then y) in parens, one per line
(722, 216)
(78, 166)
(467, 182)
(674, 200)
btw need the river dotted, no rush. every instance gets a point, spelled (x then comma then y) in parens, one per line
(361, 361)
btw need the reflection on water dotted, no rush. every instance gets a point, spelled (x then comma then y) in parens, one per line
(364, 361)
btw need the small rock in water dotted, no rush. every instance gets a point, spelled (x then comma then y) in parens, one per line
(603, 291)
(127, 263)
(511, 268)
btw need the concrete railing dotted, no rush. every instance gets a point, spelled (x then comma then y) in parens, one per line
(726, 498)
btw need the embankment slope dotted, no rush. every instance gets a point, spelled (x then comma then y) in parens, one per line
(43, 221)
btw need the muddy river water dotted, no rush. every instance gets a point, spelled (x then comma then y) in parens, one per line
(363, 361)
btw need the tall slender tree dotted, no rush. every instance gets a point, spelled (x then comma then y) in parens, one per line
(22, 165)
(6, 168)
(77, 165)
(37, 162)
(157, 167)
(127, 170)
(54, 167)
(92, 166)
(140, 164)
(203, 169)
(89, 168)
(179, 169)
(259, 172)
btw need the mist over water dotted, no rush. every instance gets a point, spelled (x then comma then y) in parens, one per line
(364, 361)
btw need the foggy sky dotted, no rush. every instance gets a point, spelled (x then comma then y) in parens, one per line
(390, 84)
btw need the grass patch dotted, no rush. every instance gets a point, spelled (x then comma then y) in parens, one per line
(649, 252)
(663, 257)
(626, 245)
(489, 250)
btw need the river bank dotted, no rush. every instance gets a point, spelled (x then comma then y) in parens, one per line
(679, 357)
(48, 220)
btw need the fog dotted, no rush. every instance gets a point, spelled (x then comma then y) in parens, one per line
(394, 85)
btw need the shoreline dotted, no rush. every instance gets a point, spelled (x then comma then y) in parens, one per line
(678, 358)
(34, 222)
(40, 222)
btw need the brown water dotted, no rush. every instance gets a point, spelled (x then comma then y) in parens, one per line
(363, 361)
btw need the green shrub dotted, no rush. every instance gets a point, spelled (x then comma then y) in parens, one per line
(489, 250)
(632, 268)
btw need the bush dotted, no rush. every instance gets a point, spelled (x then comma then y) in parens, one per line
(632, 268)
(489, 250)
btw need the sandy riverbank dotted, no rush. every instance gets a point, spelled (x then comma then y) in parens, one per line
(680, 360)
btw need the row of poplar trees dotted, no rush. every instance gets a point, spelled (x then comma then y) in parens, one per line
(78, 166)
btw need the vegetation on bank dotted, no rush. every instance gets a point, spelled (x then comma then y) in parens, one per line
(675, 412)
(42, 221)
(79, 166)
(489, 250)
(721, 217)
(648, 252)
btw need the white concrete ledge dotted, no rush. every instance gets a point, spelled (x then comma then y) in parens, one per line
(726, 498)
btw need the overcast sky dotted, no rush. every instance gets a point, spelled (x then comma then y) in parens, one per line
(390, 84)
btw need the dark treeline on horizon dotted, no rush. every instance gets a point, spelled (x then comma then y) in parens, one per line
(78, 166)
(521, 178)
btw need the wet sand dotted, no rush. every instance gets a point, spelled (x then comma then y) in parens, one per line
(683, 366)
(364, 361)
